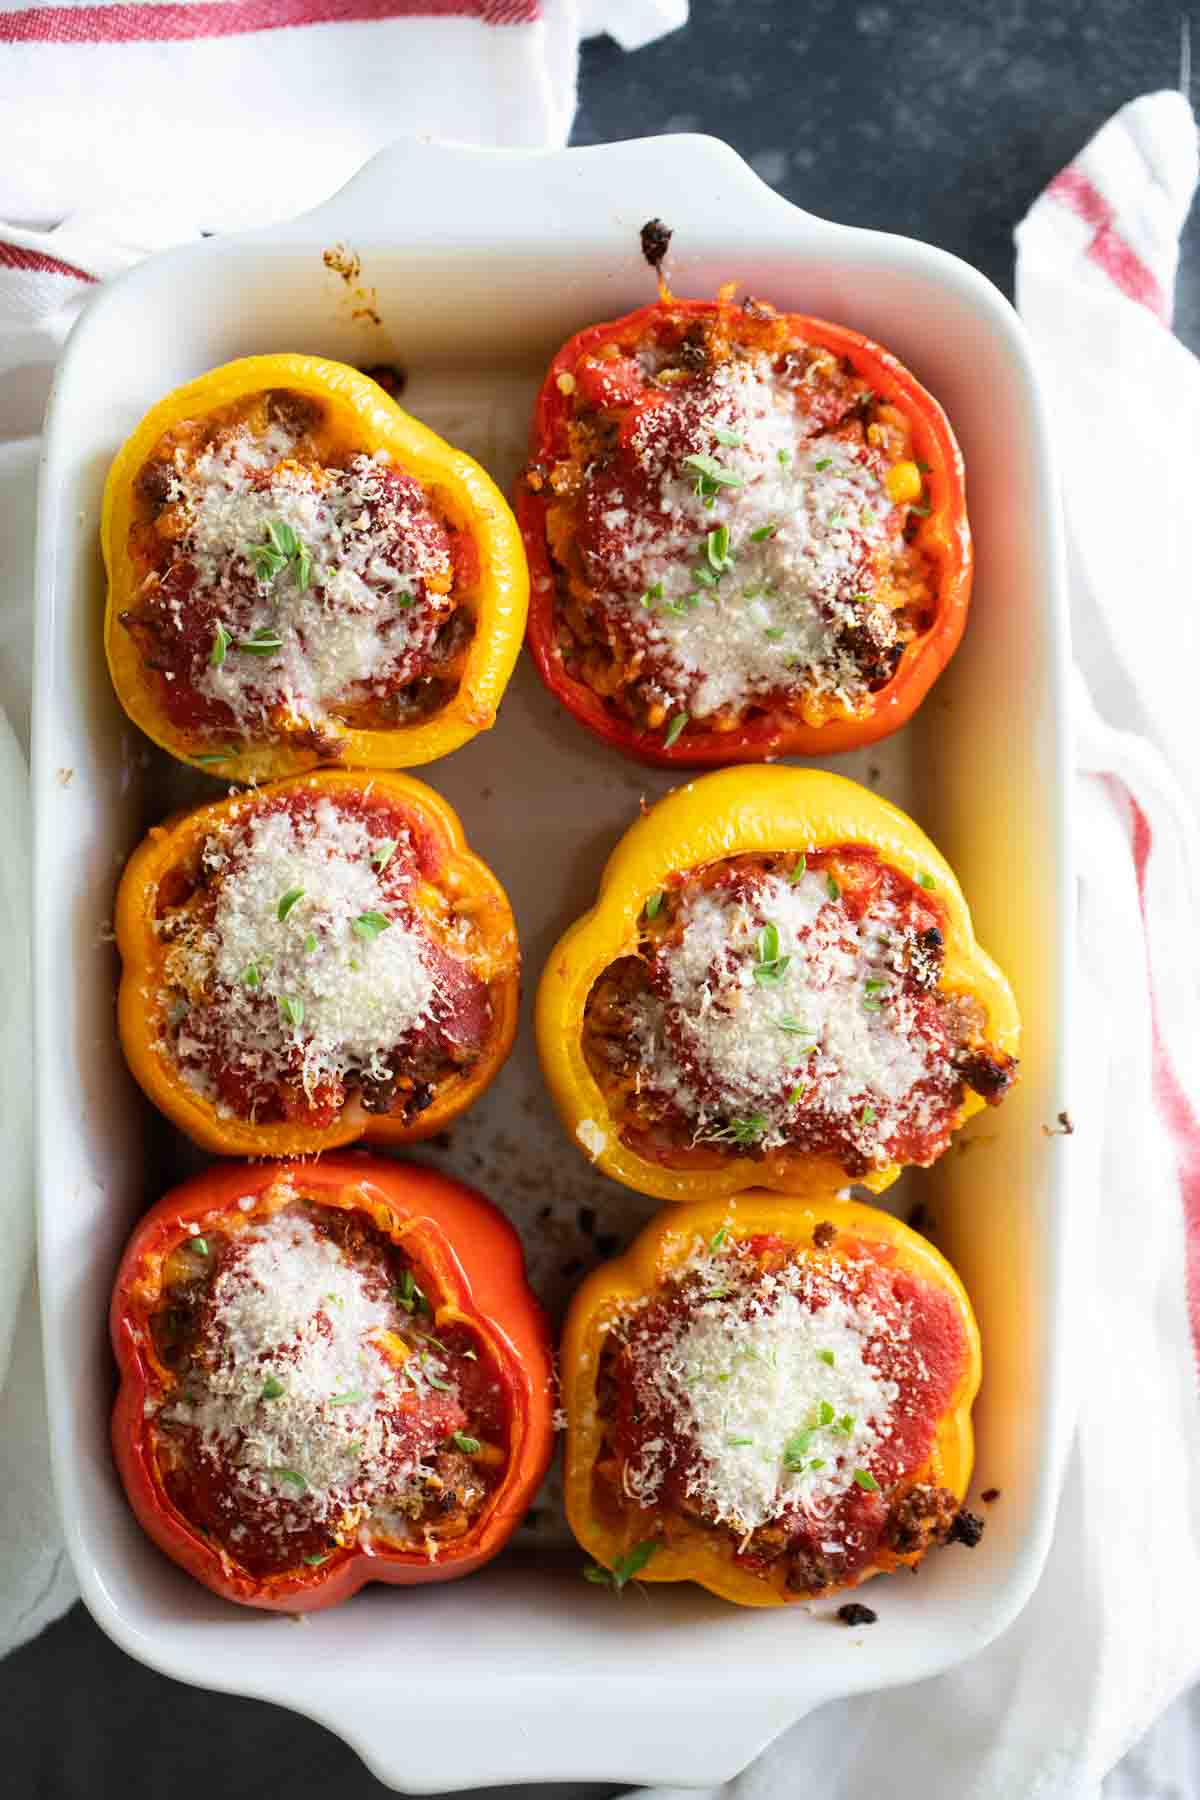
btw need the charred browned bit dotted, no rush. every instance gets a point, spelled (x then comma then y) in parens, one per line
(1064, 1128)
(824, 1234)
(989, 1495)
(656, 241)
(390, 377)
(967, 1529)
(855, 1613)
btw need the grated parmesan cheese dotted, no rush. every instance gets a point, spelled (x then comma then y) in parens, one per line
(834, 1030)
(808, 520)
(343, 983)
(366, 606)
(771, 1386)
(293, 1395)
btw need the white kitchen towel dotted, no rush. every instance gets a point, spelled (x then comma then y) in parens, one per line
(129, 127)
(1110, 1637)
(237, 112)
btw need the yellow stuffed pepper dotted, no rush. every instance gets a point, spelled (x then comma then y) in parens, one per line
(769, 1397)
(778, 986)
(313, 962)
(301, 573)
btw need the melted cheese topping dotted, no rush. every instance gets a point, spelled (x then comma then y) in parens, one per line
(341, 982)
(345, 616)
(824, 1022)
(767, 1379)
(806, 520)
(296, 1397)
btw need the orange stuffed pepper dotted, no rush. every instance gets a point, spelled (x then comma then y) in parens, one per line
(301, 573)
(314, 962)
(331, 1373)
(771, 1398)
(778, 986)
(747, 534)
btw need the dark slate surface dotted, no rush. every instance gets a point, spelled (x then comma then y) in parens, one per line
(942, 122)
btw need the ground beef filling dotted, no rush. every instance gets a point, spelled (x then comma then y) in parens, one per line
(287, 582)
(828, 1373)
(734, 522)
(256, 1031)
(777, 1004)
(308, 1407)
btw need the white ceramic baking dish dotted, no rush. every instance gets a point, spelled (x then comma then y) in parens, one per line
(474, 265)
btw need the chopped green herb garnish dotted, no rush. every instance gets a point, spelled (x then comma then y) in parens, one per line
(787, 1023)
(743, 1131)
(866, 516)
(763, 533)
(716, 546)
(292, 1476)
(383, 853)
(733, 440)
(674, 729)
(263, 642)
(797, 1094)
(797, 873)
(282, 547)
(845, 1424)
(652, 594)
(775, 632)
(624, 1569)
(826, 462)
(288, 901)
(706, 577)
(271, 1389)
(926, 881)
(864, 1479)
(867, 1116)
(369, 924)
(795, 1450)
(470, 1446)
(651, 908)
(310, 943)
(711, 476)
(435, 1381)
(404, 601)
(718, 1237)
(770, 966)
(220, 644)
(350, 1399)
(832, 888)
(825, 1413)
(250, 976)
(409, 1295)
(354, 1448)
(199, 1245)
(291, 1009)
(818, 1462)
(874, 986)
(785, 457)
(826, 1356)
(736, 1442)
(314, 1562)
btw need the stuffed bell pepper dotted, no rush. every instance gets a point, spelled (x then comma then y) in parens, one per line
(747, 534)
(770, 1398)
(778, 986)
(331, 1373)
(301, 573)
(313, 962)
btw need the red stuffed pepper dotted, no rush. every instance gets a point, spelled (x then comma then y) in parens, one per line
(331, 1373)
(746, 532)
